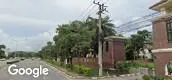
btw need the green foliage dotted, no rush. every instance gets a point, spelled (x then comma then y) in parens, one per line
(77, 39)
(126, 66)
(169, 67)
(48, 52)
(82, 70)
(136, 43)
(2, 53)
(79, 69)
(25, 54)
(146, 77)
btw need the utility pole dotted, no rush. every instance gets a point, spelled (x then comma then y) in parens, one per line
(102, 8)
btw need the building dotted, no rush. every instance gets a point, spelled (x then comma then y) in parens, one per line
(114, 51)
(146, 54)
(162, 37)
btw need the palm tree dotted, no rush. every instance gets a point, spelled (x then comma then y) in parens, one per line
(107, 26)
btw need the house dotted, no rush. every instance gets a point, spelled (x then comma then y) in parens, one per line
(162, 37)
(147, 53)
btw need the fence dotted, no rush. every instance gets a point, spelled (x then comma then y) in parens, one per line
(89, 62)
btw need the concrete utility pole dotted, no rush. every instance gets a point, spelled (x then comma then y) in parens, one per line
(102, 8)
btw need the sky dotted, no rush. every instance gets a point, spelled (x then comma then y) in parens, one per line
(27, 25)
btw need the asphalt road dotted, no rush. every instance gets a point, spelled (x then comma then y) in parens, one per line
(52, 73)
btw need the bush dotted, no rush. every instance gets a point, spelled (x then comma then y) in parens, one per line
(128, 65)
(80, 69)
(83, 70)
(132, 70)
(146, 77)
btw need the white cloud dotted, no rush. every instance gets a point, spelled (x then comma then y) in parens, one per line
(117, 22)
(33, 43)
(49, 13)
(7, 18)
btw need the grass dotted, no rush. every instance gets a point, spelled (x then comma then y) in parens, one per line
(77, 69)
(137, 64)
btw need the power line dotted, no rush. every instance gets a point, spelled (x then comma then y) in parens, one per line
(89, 9)
(134, 29)
(142, 22)
(144, 18)
(82, 14)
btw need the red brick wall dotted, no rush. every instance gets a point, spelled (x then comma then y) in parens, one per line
(116, 52)
(160, 34)
(119, 49)
(160, 61)
(89, 62)
(160, 41)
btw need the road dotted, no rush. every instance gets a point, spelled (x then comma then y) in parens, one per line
(52, 73)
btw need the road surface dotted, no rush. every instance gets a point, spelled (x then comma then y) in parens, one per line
(52, 73)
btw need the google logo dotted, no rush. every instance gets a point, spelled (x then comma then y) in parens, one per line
(35, 72)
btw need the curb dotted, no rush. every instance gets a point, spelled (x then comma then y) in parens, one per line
(68, 77)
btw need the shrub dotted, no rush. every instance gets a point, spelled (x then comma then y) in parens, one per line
(128, 65)
(83, 70)
(146, 77)
(132, 70)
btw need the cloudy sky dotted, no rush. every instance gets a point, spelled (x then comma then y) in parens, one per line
(29, 24)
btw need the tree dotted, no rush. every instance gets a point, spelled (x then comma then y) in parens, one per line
(77, 39)
(2, 52)
(48, 51)
(72, 39)
(107, 26)
(137, 43)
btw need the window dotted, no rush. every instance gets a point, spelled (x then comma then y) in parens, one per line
(169, 29)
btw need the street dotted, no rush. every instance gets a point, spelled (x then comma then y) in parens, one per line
(52, 73)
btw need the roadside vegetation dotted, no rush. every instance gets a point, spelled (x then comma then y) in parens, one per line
(80, 70)
(23, 54)
(76, 39)
(133, 66)
(148, 77)
(79, 38)
(2, 52)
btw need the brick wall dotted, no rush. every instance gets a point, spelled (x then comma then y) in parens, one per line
(89, 62)
(160, 34)
(161, 59)
(115, 53)
(160, 41)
